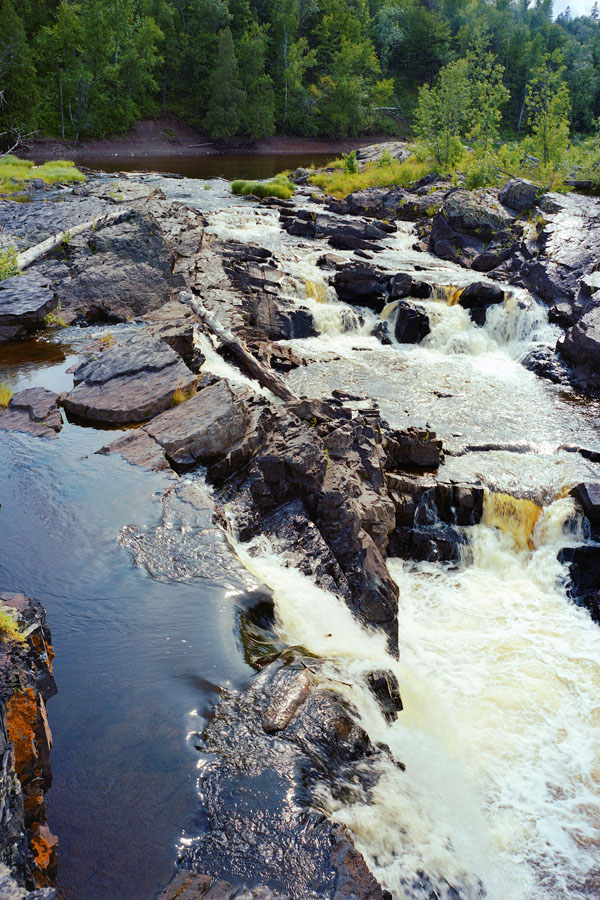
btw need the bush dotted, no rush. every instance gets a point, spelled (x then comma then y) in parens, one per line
(9, 266)
(280, 187)
(350, 163)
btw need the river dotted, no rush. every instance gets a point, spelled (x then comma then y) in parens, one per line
(499, 672)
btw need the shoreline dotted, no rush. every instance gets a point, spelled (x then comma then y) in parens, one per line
(170, 136)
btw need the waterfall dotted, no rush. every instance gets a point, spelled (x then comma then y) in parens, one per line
(500, 734)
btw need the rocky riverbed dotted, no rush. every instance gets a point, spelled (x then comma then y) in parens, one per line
(366, 427)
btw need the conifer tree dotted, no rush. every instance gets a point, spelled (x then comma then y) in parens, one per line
(225, 112)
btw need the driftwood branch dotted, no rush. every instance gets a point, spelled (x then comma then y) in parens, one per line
(27, 257)
(265, 376)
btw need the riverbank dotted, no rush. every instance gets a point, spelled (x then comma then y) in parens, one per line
(171, 136)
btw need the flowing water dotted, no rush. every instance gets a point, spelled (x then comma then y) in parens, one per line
(499, 672)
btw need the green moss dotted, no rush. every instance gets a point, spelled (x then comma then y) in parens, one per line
(9, 628)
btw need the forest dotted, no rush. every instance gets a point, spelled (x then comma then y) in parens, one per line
(331, 68)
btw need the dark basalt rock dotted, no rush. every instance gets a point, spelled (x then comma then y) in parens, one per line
(27, 846)
(413, 448)
(544, 362)
(24, 302)
(384, 686)
(363, 286)
(412, 323)
(280, 320)
(474, 230)
(34, 410)
(581, 346)
(258, 790)
(203, 428)
(520, 195)
(588, 495)
(130, 382)
(584, 571)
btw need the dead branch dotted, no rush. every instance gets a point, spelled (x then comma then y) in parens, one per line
(265, 376)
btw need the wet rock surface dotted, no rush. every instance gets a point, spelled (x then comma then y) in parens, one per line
(272, 744)
(27, 847)
(25, 301)
(35, 411)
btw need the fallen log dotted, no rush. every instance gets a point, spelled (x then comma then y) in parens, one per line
(265, 376)
(27, 257)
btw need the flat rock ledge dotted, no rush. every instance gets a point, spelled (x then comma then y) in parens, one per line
(129, 383)
(35, 411)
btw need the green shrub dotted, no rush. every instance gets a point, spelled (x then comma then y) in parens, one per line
(350, 163)
(9, 266)
(54, 319)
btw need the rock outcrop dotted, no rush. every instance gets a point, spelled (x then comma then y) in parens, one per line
(130, 382)
(27, 847)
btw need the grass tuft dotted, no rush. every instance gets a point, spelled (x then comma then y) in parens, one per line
(181, 395)
(385, 172)
(54, 319)
(280, 186)
(9, 266)
(5, 394)
(15, 173)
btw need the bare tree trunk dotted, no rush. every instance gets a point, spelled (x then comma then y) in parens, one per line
(265, 376)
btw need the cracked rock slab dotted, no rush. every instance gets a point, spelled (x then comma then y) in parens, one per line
(35, 411)
(129, 383)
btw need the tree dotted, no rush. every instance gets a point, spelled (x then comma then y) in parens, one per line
(225, 112)
(443, 113)
(548, 108)
(258, 119)
(18, 82)
(488, 96)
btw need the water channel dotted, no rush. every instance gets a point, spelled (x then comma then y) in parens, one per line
(499, 672)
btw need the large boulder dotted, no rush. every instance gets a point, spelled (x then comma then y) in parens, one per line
(581, 346)
(520, 195)
(25, 301)
(280, 320)
(473, 229)
(412, 323)
(363, 286)
(130, 382)
(119, 272)
(204, 428)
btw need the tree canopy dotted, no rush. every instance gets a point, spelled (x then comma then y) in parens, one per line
(464, 69)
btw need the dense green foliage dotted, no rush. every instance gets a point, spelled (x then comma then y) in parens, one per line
(315, 67)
